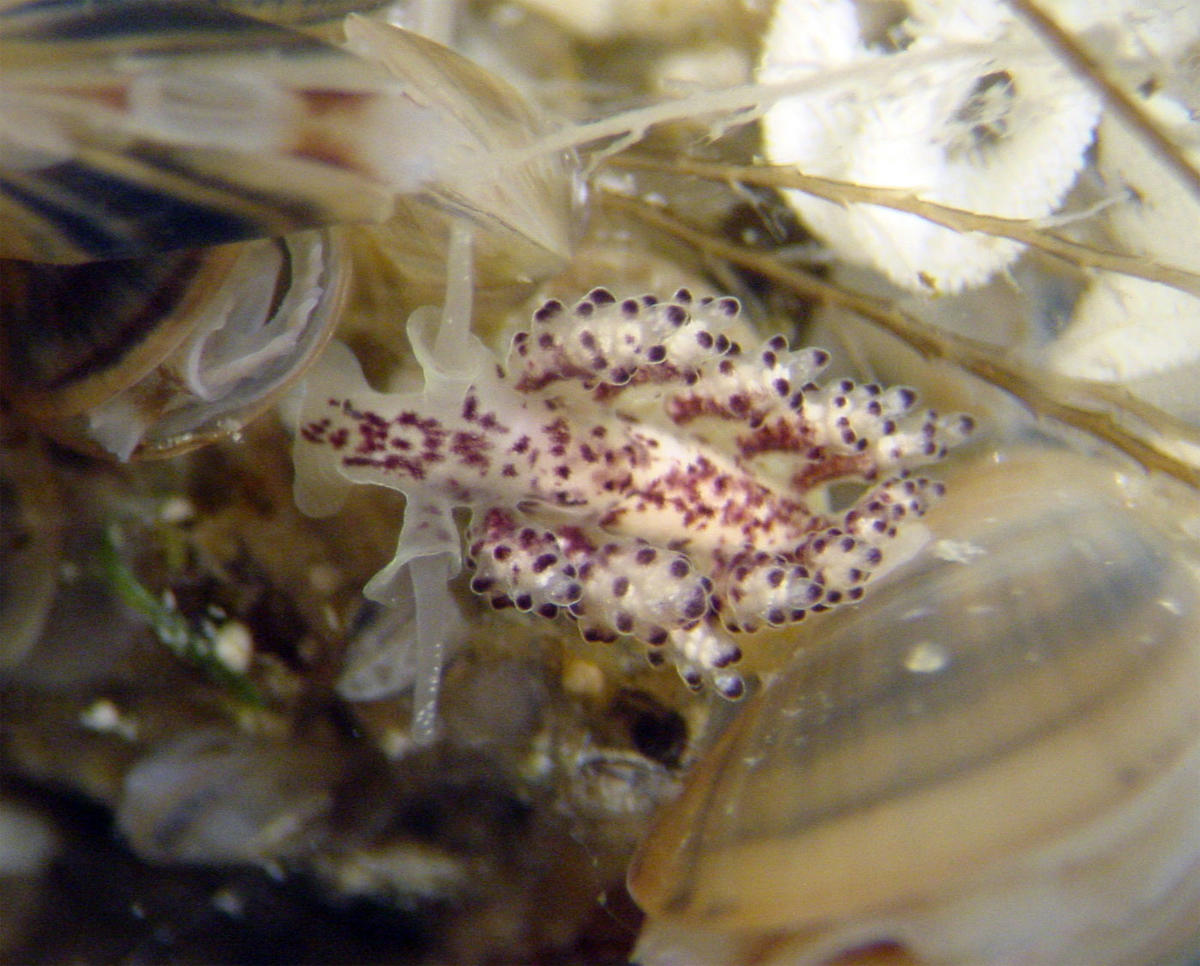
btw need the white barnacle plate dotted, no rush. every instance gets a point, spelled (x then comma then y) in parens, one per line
(972, 113)
(996, 758)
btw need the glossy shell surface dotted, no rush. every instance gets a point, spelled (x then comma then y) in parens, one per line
(142, 127)
(1009, 721)
(183, 188)
(158, 354)
(31, 525)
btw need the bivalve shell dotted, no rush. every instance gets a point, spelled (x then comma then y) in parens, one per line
(996, 757)
(156, 355)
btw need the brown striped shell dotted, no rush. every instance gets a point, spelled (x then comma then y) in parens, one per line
(154, 355)
(995, 758)
(182, 186)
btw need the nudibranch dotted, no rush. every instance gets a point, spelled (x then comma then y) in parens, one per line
(629, 465)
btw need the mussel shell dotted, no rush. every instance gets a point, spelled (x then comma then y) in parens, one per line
(143, 126)
(75, 338)
(207, 797)
(1011, 716)
(138, 127)
(31, 531)
(74, 335)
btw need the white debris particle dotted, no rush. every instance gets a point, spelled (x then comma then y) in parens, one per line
(926, 657)
(1171, 606)
(176, 509)
(105, 717)
(957, 551)
(233, 646)
(582, 677)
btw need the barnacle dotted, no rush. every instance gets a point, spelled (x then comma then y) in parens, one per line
(632, 466)
(972, 115)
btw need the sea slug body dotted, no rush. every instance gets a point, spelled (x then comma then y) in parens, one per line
(632, 467)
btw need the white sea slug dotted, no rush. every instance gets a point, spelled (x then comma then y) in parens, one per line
(632, 468)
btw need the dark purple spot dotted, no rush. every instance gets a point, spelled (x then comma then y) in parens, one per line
(731, 655)
(695, 607)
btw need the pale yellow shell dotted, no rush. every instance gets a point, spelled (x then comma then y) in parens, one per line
(995, 758)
